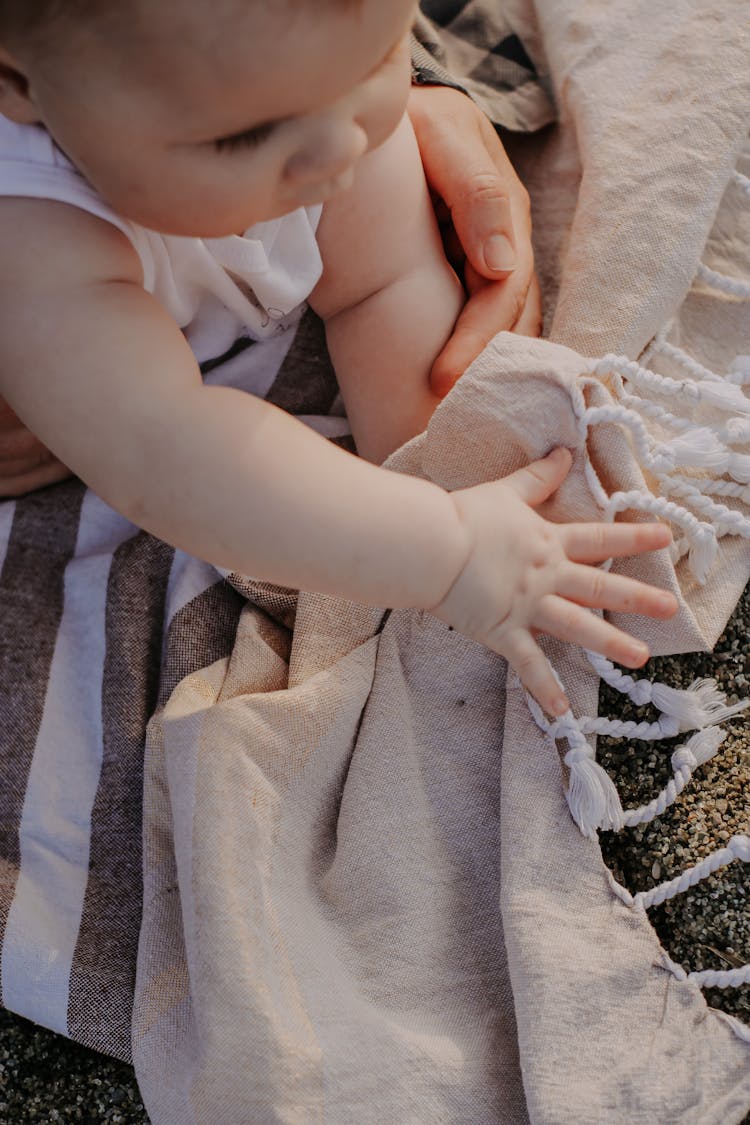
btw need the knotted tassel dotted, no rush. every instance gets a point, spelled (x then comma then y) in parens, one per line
(704, 547)
(592, 797)
(700, 705)
(698, 750)
(739, 370)
(737, 430)
(725, 396)
(699, 448)
(685, 760)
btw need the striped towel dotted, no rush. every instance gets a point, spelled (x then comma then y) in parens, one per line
(100, 622)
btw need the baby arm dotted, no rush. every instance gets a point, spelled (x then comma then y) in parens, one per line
(101, 374)
(98, 371)
(388, 296)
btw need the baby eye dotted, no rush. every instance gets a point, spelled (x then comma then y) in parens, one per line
(249, 138)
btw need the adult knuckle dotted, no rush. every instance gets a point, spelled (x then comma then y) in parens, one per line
(484, 187)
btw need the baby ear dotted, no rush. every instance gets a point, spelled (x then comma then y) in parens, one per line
(16, 99)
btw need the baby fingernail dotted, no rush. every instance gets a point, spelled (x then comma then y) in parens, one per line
(499, 253)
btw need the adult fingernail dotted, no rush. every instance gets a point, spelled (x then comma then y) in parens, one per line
(499, 253)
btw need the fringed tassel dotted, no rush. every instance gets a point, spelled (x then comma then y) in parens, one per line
(739, 370)
(685, 760)
(701, 449)
(697, 448)
(592, 797)
(701, 748)
(700, 705)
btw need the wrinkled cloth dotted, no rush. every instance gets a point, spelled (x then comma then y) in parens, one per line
(364, 897)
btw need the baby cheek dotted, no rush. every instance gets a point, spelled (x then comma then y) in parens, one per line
(387, 107)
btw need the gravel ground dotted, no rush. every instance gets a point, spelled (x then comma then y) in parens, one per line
(45, 1078)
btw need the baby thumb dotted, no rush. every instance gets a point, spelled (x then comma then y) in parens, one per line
(536, 482)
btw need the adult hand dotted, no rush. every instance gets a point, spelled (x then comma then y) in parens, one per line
(485, 215)
(25, 464)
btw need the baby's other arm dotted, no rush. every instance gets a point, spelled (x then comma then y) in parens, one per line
(100, 373)
(388, 296)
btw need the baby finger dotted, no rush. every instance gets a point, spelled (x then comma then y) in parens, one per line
(599, 589)
(570, 622)
(595, 542)
(535, 673)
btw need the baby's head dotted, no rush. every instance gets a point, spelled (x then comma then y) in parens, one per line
(201, 117)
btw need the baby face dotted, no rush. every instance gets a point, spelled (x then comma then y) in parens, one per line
(201, 119)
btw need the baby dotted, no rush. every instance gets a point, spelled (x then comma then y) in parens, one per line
(162, 168)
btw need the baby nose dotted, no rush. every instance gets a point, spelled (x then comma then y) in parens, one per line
(328, 154)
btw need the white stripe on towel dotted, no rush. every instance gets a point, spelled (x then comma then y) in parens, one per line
(55, 830)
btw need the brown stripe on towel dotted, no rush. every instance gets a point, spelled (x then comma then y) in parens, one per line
(101, 979)
(306, 383)
(42, 541)
(200, 633)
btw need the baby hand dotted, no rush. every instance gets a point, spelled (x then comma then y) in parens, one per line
(524, 575)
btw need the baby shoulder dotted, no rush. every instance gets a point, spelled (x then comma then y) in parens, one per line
(45, 243)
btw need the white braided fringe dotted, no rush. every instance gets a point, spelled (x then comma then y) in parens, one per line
(708, 416)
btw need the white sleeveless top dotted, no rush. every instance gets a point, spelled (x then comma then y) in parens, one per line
(216, 289)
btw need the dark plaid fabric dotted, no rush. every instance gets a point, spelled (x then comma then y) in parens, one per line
(476, 46)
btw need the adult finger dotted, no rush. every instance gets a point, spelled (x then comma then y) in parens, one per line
(570, 622)
(595, 542)
(529, 322)
(19, 446)
(492, 307)
(600, 590)
(13, 486)
(466, 164)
